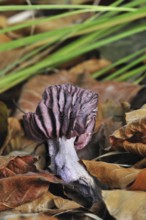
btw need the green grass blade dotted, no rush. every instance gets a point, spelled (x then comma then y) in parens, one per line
(50, 7)
(119, 62)
(126, 68)
(131, 73)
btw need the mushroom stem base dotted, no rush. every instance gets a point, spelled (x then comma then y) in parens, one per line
(67, 165)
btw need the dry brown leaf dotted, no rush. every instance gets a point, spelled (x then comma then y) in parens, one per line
(106, 90)
(90, 66)
(54, 24)
(131, 137)
(10, 166)
(124, 204)
(20, 216)
(19, 189)
(136, 114)
(41, 204)
(140, 182)
(65, 204)
(17, 144)
(10, 57)
(112, 175)
(46, 202)
(62, 22)
(16, 139)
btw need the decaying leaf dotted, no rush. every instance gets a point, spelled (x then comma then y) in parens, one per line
(124, 204)
(139, 183)
(131, 137)
(46, 202)
(11, 165)
(89, 66)
(16, 139)
(19, 189)
(17, 144)
(25, 216)
(112, 175)
(107, 90)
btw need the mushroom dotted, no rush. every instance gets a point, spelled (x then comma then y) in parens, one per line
(65, 119)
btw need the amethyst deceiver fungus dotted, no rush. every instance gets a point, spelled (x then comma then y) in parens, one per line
(65, 119)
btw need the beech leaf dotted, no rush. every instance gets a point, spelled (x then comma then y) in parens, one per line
(11, 165)
(19, 189)
(46, 202)
(131, 137)
(112, 175)
(123, 204)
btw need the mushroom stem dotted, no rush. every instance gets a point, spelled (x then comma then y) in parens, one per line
(65, 163)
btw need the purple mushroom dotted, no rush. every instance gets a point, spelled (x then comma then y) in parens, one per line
(65, 119)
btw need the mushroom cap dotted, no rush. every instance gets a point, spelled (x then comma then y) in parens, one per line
(65, 110)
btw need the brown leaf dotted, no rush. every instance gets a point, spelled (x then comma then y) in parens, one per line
(10, 166)
(20, 189)
(124, 204)
(25, 216)
(48, 202)
(89, 66)
(62, 22)
(136, 114)
(10, 57)
(65, 204)
(17, 144)
(140, 182)
(111, 174)
(107, 90)
(16, 139)
(131, 137)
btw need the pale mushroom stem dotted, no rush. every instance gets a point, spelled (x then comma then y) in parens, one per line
(65, 163)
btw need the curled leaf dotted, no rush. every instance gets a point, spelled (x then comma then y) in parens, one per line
(131, 137)
(112, 175)
(10, 166)
(19, 189)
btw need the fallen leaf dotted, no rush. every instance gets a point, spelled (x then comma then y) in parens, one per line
(116, 91)
(131, 137)
(90, 66)
(10, 166)
(16, 139)
(19, 189)
(46, 202)
(65, 204)
(124, 204)
(136, 114)
(25, 216)
(139, 183)
(112, 175)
